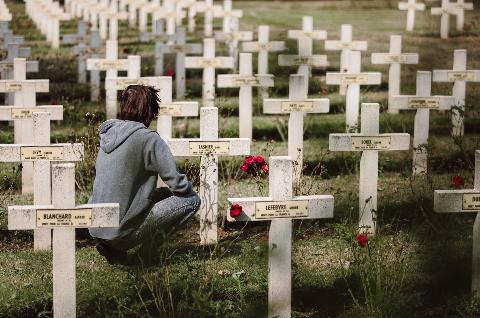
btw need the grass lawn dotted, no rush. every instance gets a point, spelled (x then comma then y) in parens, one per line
(418, 265)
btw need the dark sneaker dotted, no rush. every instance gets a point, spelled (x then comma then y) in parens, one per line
(112, 255)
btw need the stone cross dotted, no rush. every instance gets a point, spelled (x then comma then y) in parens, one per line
(411, 7)
(305, 59)
(461, 6)
(445, 11)
(395, 58)
(209, 62)
(369, 141)
(281, 207)
(208, 9)
(131, 65)
(63, 216)
(245, 81)
(169, 14)
(157, 35)
(232, 38)
(84, 51)
(79, 37)
(465, 201)
(422, 103)
(353, 78)
(169, 109)
(345, 45)
(39, 135)
(296, 105)
(263, 46)
(209, 147)
(180, 48)
(145, 10)
(459, 76)
(227, 13)
(111, 16)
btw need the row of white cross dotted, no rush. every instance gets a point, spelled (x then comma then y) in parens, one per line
(446, 9)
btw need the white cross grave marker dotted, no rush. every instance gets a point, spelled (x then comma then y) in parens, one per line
(465, 201)
(345, 45)
(208, 9)
(395, 58)
(209, 147)
(245, 81)
(281, 207)
(305, 59)
(63, 216)
(411, 7)
(209, 62)
(353, 78)
(297, 105)
(180, 49)
(422, 103)
(461, 5)
(459, 76)
(369, 141)
(39, 136)
(445, 11)
(83, 51)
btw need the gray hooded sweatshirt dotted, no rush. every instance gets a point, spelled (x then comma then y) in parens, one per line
(130, 158)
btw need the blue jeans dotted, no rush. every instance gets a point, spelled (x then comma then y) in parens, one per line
(167, 215)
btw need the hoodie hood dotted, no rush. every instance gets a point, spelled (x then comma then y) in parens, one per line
(114, 132)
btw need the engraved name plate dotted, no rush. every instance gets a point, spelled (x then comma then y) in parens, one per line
(346, 45)
(209, 63)
(13, 86)
(264, 46)
(281, 209)
(64, 218)
(246, 80)
(371, 142)
(302, 60)
(209, 147)
(179, 48)
(393, 58)
(354, 79)
(427, 102)
(170, 110)
(471, 201)
(297, 106)
(23, 113)
(460, 76)
(109, 65)
(53, 153)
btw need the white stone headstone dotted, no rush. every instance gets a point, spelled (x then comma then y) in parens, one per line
(412, 6)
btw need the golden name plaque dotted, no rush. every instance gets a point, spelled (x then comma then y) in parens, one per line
(353, 79)
(170, 110)
(371, 142)
(6, 66)
(210, 63)
(23, 113)
(64, 218)
(394, 58)
(427, 102)
(302, 60)
(246, 80)
(346, 45)
(264, 46)
(460, 76)
(124, 82)
(471, 201)
(13, 86)
(179, 48)
(209, 147)
(111, 65)
(53, 153)
(281, 209)
(298, 106)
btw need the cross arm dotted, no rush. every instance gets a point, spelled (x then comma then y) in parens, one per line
(387, 58)
(202, 62)
(445, 201)
(41, 86)
(340, 45)
(234, 36)
(370, 78)
(179, 109)
(315, 35)
(86, 216)
(120, 83)
(107, 64)
(285, 106)
(20, 112)
(273, 46)
(407, 6)
(53, 152)
(191, 48)
(359, 142)
(296, 60)
(31, 66)
(415, 102)
(452, 76)
(235, 80)
(197, 147)
(265, 209)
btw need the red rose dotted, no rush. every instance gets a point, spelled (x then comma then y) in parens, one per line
(458, 181)
(244, 167)
(259, 159)
(362, 240)
(126, 50)
(249, 160)
(235, 210)
(264, 168)
(54, 102)
(170, 72)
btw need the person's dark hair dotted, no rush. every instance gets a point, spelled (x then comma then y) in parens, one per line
(139, 103)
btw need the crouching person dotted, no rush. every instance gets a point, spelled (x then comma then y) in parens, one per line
(129, 161)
